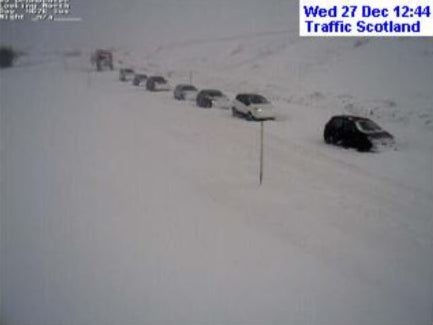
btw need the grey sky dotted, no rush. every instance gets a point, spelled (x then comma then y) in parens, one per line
(141, 22)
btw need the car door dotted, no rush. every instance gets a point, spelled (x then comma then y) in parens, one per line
(241, 101)
(349, 134)
(178, 92)
(200, 97)
(237, 103)
(334, 130)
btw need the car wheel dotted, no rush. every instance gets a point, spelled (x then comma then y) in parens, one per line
(250, 117)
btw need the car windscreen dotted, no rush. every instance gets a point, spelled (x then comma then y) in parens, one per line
(214, 93)
(188, 88)
(368, 126)
(257, 99)
(159, 80)
(128, 71)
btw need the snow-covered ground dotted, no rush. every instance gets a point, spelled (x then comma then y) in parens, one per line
(120, 206)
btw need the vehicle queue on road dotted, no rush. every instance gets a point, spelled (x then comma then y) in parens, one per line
(347, 131)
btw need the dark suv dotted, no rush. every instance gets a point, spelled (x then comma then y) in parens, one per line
(356, 132)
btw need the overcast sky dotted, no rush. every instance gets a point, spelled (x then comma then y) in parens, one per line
(137, 23)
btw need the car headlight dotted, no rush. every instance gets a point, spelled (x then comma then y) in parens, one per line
(259, 110)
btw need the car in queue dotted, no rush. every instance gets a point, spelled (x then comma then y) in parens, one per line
(253, 107)
(208, 98)
(139, 79)
(357, 132)
(126, 74)
(157, 83)
(185, 92)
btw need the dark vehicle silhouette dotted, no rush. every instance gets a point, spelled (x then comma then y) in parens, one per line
(139, 79)
(157, 83)
(126, 74)
(208, 98)
(356, 132)
(102, 59)
(185, 91)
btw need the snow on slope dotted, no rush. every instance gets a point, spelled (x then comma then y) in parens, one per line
(123, 206)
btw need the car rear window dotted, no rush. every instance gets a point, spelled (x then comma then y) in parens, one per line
(160, 80)
(337, 122)
(188, 87)
(214, 93)
(258, 99)
(368, 126)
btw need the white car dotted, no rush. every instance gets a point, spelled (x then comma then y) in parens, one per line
(253, 107)
(208, 98)
(157, 83)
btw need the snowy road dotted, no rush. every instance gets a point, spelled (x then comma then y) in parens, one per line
(121, 206)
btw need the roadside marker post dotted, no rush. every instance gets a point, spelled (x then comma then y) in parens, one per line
(262, 127)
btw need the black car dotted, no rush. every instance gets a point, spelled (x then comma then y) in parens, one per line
(139, 78)
(356, 132)
(212, 97)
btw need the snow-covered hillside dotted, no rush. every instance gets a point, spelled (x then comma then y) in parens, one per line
(121, 206)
